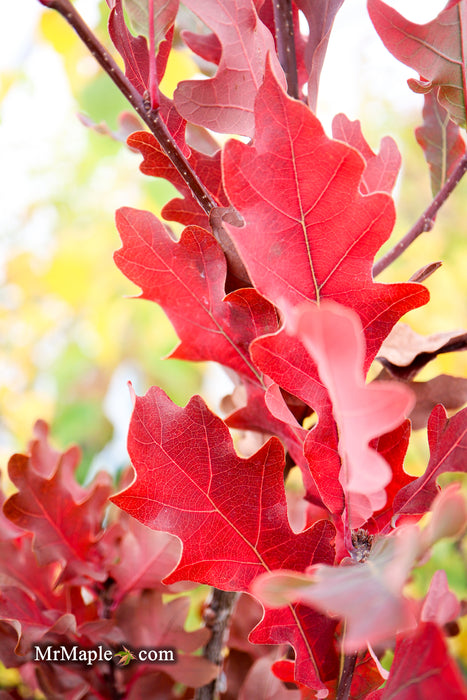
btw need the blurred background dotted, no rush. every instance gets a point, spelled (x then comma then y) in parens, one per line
(70, 338)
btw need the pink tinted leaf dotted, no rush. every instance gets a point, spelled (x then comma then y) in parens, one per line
(191, 483)
(163, 17)
(147, 622)
(29, 620)
(225, 102)
(367, 594)
(145, 557)
(64, 517)
(320, 18)
(333, 336)
(381, 170)
(441, 140)
(260, 683)
(440, 605)
(187, 278)
(448, 444)
(435, 50)
(422, 668)
(310, 233)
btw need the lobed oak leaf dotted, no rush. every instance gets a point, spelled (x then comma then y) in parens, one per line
(135, 54)
(440, 605)
(187, 278)
(147, 622)
(261, 684)
(64, 517)
(310, 233)
(145, 557)
(333, 336)
(157, 164)
(447, 438)
(309, 632)
(225, 102)
(367, 594)
(435, 50)
(422, 668)
(381, 170)
(441, 140)
(191, 483)
(30, 620)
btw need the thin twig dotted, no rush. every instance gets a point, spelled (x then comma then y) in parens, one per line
(217, 615)
(285, 39)
(345, 681)
(150, 117)
(157, 127)
(426, 221)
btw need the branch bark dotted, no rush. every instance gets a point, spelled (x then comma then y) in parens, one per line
(219, 608)
(426, 221)
(285, 39)
(345, 681)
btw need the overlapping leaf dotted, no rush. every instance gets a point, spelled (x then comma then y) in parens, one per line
(448, 451)
(309, 232)
(225, 102)
(422, 668)
(368, 594)
(333, 336)
(436, 50)
(64, 517)
(191, 483)
(320, 18)
(441, 141)
(381, 170)
(155, 163)
(187, 278)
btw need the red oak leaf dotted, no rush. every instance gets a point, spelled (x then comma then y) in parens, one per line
(286, 626)
(135, 54)
(393, 447)
(64, 517)
(186, 211)
(381, 170)
(309, 232)
(448, 443)
(441, 141)
(225, 102)
(284, 358)
(29, 619)
(187, 278)
(367, 594)
(435, 50)
(144, 558)
(333, 336)
(422, 668)
(147, 622)
(191, 483)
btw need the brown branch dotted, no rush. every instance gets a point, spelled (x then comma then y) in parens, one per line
(345, 681)
(219, 608)
(157, 127)
(285, 39)
(426, 221)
